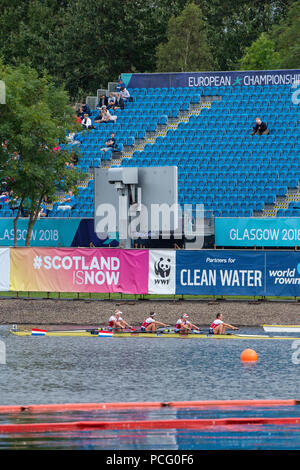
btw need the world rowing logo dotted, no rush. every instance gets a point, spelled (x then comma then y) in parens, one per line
(286, 276)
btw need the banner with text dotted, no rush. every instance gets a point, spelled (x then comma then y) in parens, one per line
(283, 274)
(205, 79)
(244, 232)
(165, 272)
(162, 268)
(79, 270)
(220, 273)
(4, 269)
(54, 232)
(224, 272)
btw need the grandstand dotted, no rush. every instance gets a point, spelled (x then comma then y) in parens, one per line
(206, 133)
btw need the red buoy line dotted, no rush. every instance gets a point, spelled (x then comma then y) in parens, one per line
(54, 408)
(150, 424)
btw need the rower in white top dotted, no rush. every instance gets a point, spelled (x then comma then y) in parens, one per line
(150, 324)
(183, 325)
(218, 327)
(116, 322)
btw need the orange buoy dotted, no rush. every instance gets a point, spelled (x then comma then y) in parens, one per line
(249, 355)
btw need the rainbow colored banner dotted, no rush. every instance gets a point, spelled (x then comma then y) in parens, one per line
(79, 270)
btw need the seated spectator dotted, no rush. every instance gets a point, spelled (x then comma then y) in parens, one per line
(15, 156)
(5, 144)
(70, 137)
(110, 144)
(98, 118)
(43, 210)
(14, 203)
(111, 101)
(260, 128)
(3, 197)
(80, 113)
(73, 157)
(103, 101)
(73, 138)
(86, 122)
(68, 202)
(105, 116)
(125, 95)
(69, 165)
(119, 103)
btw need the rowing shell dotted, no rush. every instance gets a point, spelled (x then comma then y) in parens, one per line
(108, 334)
(281, 328)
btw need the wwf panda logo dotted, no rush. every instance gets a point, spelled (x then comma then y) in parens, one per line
(162, 267)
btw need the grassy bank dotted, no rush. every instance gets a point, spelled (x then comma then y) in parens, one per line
(119, 296)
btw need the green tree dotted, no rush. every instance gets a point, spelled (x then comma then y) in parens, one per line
(84, 45)
(186, 48)
(100, 40)
(286, 37)
(261, 55)
(33, 120)
(233, 25)
(28, 32)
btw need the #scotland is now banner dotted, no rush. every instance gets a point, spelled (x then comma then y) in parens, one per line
(79, 270)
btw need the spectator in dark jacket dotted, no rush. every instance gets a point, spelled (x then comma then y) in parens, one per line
(80, 113)
(119, 103)
(110, 144)
(103, 101)
(260, 128)
(86, 109)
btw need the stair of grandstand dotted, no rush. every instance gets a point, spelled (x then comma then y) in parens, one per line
(289, 206)
(162, 130)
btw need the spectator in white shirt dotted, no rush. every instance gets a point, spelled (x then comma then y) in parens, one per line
(125, 95)
(105, 116)
(86, 122)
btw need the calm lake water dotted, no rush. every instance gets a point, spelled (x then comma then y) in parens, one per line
(70, 370)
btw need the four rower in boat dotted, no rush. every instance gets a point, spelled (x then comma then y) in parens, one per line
(184, 326)
(150, 324)
(218, 327)
(116, 322)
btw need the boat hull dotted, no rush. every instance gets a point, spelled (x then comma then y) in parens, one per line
(95, 334)
(281, 328)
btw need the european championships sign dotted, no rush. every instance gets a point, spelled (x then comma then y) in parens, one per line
(212, 79)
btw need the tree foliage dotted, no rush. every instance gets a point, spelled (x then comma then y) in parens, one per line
(280, 48)
(286, 37)
(33, 121)
(186, 48)
(261, 55)
(84, 45)
(233, 25)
